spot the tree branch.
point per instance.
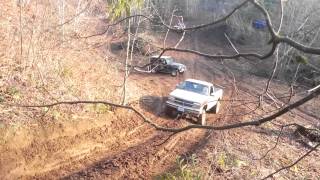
(258, 122)
(267, 16)
(213, 56)
(275, 40)
(219, 20)
(298, 46)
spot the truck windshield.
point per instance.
(194, 87)
(169, 60)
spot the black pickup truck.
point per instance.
(166, 65)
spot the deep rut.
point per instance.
(143, 160)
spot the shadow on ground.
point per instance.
(156, 105)
(153, 104)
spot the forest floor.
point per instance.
(116, 144)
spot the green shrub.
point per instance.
(13, 92)
(228, 160)
(186, 170)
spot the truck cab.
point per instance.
(194, 98)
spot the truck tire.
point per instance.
(202, 117)
(216, 108)
(174, 73)
(169, 111)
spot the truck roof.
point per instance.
(156, 56)
(200, 82)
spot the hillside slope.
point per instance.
(101, 142)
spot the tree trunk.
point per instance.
(126, 74)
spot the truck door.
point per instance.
(212, 99)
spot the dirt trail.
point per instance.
(138, 151)
(140, 161)
(143, 153)
(157, 153)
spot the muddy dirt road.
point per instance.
(116, 144)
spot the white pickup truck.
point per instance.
(194, 98)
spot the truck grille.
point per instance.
(183, 102)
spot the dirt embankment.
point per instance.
(116, 144)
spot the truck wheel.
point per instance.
(202, 117)
(174, 73)
(169, 111)
(216, 108)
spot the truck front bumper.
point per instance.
(183, 109)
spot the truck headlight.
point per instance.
(196, 105)
(170, 98)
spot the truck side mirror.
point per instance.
(211, 91)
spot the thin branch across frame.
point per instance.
(253, 122)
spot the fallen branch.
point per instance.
(233, 46)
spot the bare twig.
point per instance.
(181, 39)
(75, 16)
(281, 16)
(168, 30)
(275, 65)
(116, 23)
(181, 23)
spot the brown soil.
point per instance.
(118, 145)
